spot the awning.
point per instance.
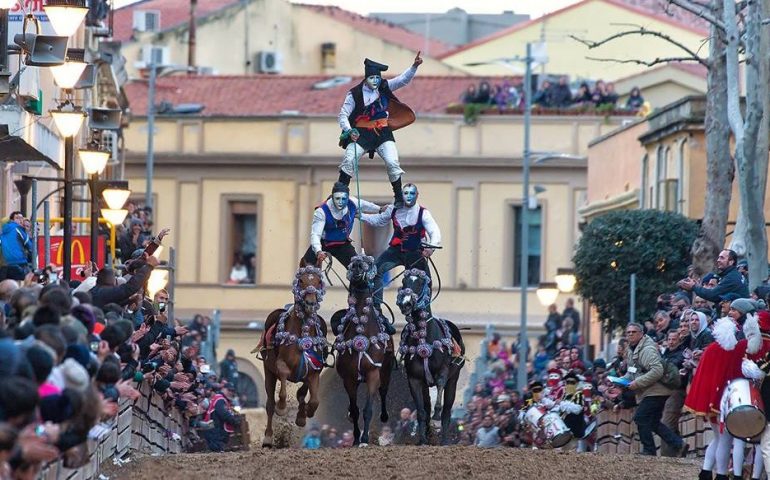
(15, 149)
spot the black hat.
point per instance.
(571, 376)
(340, 187)
(536, 386)
(373, 68)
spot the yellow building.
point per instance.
(591, 20)
(236, 37)
(243, 178)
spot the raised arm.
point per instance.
(366, 206)
(378, 219)
(406, 77)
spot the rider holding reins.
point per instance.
(332, 224)
(413, 227)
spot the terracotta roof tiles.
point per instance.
(263, 95)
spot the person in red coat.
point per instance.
(720, 363)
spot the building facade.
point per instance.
(247, 186)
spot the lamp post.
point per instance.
(94, 161)
(68, 119)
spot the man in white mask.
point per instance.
(368, 117)
(332, 224)
(413, 225)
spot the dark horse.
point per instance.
(364, 350)
(296, 340)
(427, 351)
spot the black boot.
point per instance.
(705, 475)
(344, 178)
(721, 477)
(398, 195)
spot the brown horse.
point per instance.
(298, 340)
(430, 357)
(364, 350)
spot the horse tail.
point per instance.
(456, 335)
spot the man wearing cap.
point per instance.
(571, 407)
(367, 120)
(225, 421)
(332, 225)
(730, 280)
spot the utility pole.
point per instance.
(524, 234)
(150, 135)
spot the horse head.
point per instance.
(414, 293)
(309, 289)
(361, 271)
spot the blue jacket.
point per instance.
(16, 244)
(730, 281)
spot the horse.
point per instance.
(427, 351)
(364, 350)
(299, 344)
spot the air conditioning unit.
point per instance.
(269, 62)
(154, 55)
(110, 142)
(147, 20)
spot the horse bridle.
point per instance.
(422, 300)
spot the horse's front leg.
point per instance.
(283, 375)
(372, 385)
(441, 382)
(351, 387)
(415, 387)
(301, 414)
(314, 384)
(270, 380)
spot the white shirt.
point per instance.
(319, 219)
(407, 217)
(372, 95)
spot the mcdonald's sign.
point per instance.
(81, 252)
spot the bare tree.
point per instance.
(719, 163)
(750, 127)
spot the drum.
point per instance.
(533, 416)
(556, 431)
(743, 412)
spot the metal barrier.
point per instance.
(616, 433)
(143, 426)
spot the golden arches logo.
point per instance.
(75, 243)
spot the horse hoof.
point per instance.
(267, 442)
(384, 417)
(363, 445)
(300, 421)
(281, 411)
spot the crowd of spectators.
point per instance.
(552, 95)
(135, 232)
(70, 353)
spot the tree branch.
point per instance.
(641, 31)
(698, 9)
(650, 63)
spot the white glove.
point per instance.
(750, 370)
(570, 407)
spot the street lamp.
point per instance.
(157, 281)
(94, 160)
(114, 216)
(68, 119)
(65, 15)
(68, 74)
(565, 279)
(547, 293)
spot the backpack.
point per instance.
(671, 377)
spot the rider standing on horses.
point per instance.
(413, 226)
(332, 224)
(367, 119)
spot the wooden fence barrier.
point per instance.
(616, 433)
(142, 426)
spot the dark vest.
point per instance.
(337, 232)
(369, 141)
(408, 238)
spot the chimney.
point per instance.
(191, 41)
